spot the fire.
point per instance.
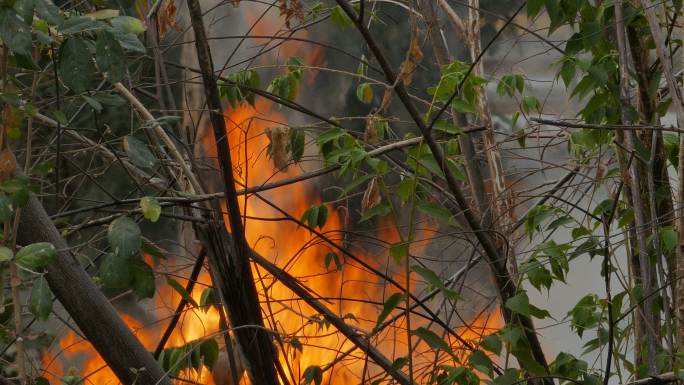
(352, 292)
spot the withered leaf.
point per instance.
(279, 146)
(371, 197)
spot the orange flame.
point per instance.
(353, 293)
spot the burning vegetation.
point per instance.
(341, 192)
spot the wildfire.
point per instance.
(352, 292)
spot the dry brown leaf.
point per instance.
(371, 135)
(279, 148)
(414, 56)
(7, 162)
(166, 19)
(290, 9)
(371, 197)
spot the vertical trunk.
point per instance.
(649, 321)
(651, 10)
(502, 200)
(231, 270)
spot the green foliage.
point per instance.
(339, 18)
(40, 299)
(453, 76)
(313, 374)
(237, 88)
(390, 304)
(315, 216)
(510, 84)
(432, 339)
(207, 299)
(76, 69)
(115, 273)
(151, 208)
(110, 56)
(124, 237)
(142, 277)
(433, 280)
(585, 315)
(193, 355)
(181, 290)
(36, 255)
(138, 153)
(331, 257)
(364, 92)
(520, 304)
(287, 86)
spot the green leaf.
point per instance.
(535, 217)
(150, 208)
(14, 33)
(78, 24)
(297, 142)
(142, 276)
(481, 362)
(313, 374)
(124, 237)
(138, 153)
(339, 18)
(76, 69)
(668, 239)
(41, 381)
(94, 103)
(533, 7)
(332, 257)
(448, 127)
(432, 339)
(209, 349)
(379, 210)
(110, 56)
(520, 304)
(17, 190)
(128, 41)
(115, 273)
(390, 304)
(364, 92)
(585, 314)
(530, 103)
(207, 299)
(436, 211)
(36, 255)
(6, 208)
(567, 72)
(128, 24)
(509, 377)
(492, 343)
(315, 216)
(399, 251)
(181, 290)
(433, 280)
(48, 11)
(331, 135)
(6, 254)
(40, 299)
(103, 14)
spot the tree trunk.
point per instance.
(90, 309)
